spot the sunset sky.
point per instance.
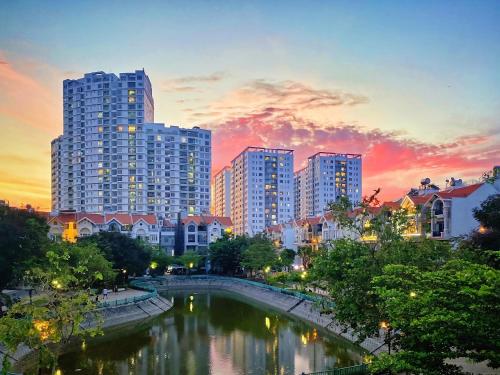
(412, 85)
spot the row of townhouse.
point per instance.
(191, 233)
(440, 215)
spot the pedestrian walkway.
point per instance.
(128, 293)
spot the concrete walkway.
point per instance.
(128, 293)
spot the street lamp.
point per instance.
(388, 330)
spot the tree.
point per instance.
(258, 256)
(97, 269)
(225, 254)
(346, 271)
(190, 259)
(48, 324)
(436, 315)
(489, 213)
(286, 258)
(159, 262)
(23, 237)
(306, 254)
(130, 255)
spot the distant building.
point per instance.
(261, 189)
(326, 178)
(71, 226)
(300, 191)
(113, 158)
(222, 194)
(201, 231)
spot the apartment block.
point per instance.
(222, 194)
(327, 177)
(113, 158)
(261, 189)
(300, 188)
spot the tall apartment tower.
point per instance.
(222, 195)
(261, 189)
(106, 160)
(300, 187)
(329, 176)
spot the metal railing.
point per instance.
(352, 370)
(137, 284)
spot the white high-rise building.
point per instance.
(300, 187)
(113, 158)
(222, 194)
(261, 189)
(328, 176)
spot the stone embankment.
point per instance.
(301, 308)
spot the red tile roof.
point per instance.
(459, 192)
(420, 199)
(64, 218)
(150, 219)
(94, 218)
(206, 220)
(273, 228)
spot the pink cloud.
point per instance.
(390, 161)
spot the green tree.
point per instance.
(50, 323)
(190, 259)
(436, 315)
(286, 258)
(483, 245)
(23, 238)
(98, 270)
(225, 254)
(128, 254)
(258, 256)
(306, 254)
(159, 262)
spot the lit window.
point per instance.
(119, 128)
(131, 92)
(99, 129)
(131, 129)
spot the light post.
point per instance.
(388, 331)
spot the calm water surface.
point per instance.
(213, 333)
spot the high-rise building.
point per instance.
(328, 176)
(261, 189)
(113, 158)
(300, 179)
(222, 192)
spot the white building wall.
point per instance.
(262, 189)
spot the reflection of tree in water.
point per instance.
(255, 338)
(101, 357)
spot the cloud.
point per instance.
(214, 77)
(283, 97)
(189, 83)
(390, 161)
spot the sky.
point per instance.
(411, 85)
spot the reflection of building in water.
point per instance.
(212, 334)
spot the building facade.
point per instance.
(201, 231)
(328, 176)
(112, 157)
(300, 188)
(222, 192)
(261, 189)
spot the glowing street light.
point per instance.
(267, 269)
(303, 275)
(153, 265)
(413, 294)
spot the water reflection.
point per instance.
(213, 334)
